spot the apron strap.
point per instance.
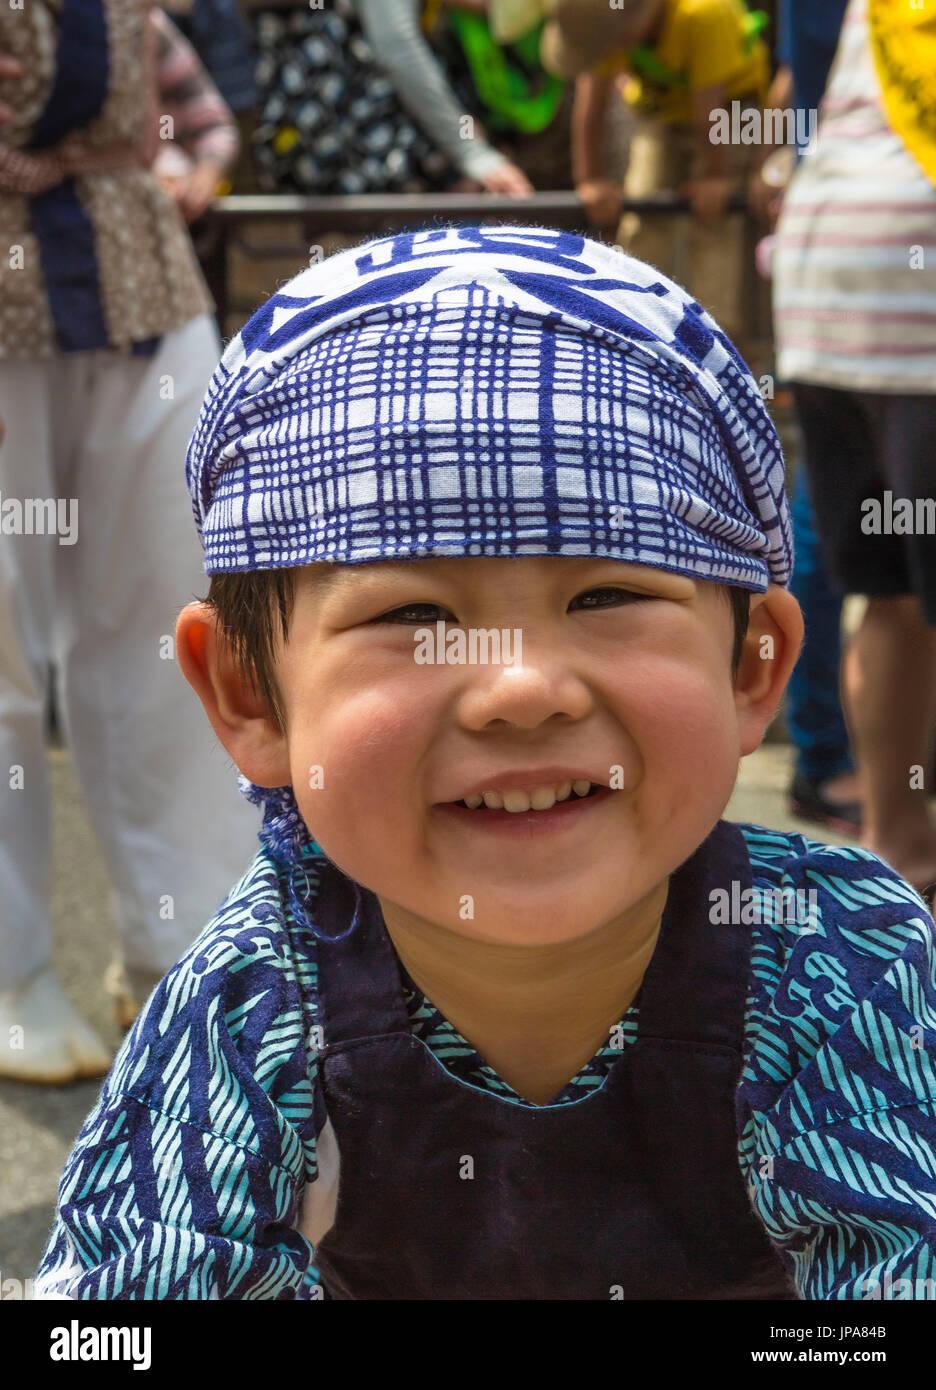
(695, 987)
(360, 991)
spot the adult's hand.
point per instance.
(9, 67)
(769, 182)
(709, 196)
(764, 199)
(602, 202)
(195, 190)
(507, 178)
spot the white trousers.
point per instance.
(110, 431)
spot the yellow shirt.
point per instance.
(704, 43)
(903, 43)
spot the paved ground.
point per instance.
(38, 1124)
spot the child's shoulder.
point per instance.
(818, 903)
(249, 940)
(237, 1001)
(776, 853)
(841, 989)
(705, 18)
(854, 878)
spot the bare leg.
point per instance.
(889, 689)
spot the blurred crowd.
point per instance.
(121, 122)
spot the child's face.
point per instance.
(625, 681)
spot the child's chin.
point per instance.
(555, 923)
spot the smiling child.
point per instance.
(472, 1025)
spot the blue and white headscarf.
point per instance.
(499, 391)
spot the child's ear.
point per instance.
(240, 718)
(771, 647)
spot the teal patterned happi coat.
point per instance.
(203, 1171)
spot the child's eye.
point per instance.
(622, 594)
(610, 594)
(399, 615)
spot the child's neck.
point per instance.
(536, 1014)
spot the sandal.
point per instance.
(805, 800)
(129, 989)
(43, 1038)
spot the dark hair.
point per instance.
(246, 606)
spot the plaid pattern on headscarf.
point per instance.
(488, 391)
(473, 391)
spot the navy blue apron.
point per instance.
(449, 1191)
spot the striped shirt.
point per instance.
(208, 1168)
(854, 265)
(201, 121)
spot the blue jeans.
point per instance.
(813, 711)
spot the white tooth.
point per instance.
(581, 788)
(516, 801)
(493, 801)
(473, 802)
(563, 791)
(541, 798)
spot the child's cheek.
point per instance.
(357, 770)
(678, 714)
(677, 677)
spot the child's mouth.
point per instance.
(529, 822)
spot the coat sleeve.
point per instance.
(186, 1179)
(202, 121)
(392, 29)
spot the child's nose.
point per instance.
(524, 694)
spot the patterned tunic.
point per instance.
(353, 100)
(207, 1169)
(101, 260)
(854, 299)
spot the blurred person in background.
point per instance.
(205, 143)
(855, 324)
(219, 34)
(107, 342)
(491, 53)
(682, 61)
(825, 787)
(354, 100)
